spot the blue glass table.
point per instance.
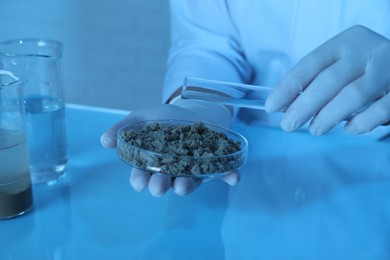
(300, 197)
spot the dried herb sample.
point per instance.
(180, 150)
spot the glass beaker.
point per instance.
(39, 62)
(15, 182)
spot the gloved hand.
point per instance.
(182, 110)
(346, 78)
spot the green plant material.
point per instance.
(180, 149)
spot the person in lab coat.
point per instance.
(328, 61)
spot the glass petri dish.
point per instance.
(185, 156)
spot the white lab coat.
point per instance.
(258, 41)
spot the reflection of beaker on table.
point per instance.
(15, 184)
(39, 62)
(44, 234)
(53, 220)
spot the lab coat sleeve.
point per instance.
(204, 44)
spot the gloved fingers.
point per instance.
(185, 185)
(109, 138)
(159, 184)
(357, 95)
(139, 179)
(354, 97)
(322, 89)
(375, 115)
(299, 77)
(309, 88)
(284, 93)
(232, 178)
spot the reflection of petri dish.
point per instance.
(176, 164)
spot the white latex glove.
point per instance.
(346, 78)
(184, 110)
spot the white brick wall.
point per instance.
(115, 51)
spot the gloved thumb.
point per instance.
(109, 137)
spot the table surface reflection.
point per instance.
(300, 197)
